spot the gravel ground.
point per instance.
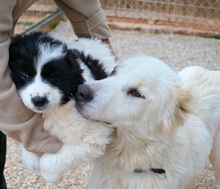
(178, 51)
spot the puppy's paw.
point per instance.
(49, 169)
(52, 178)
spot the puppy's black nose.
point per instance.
(84, 93)
(39, 101)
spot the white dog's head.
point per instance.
(141, 92)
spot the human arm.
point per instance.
(16, 121)
(86, 17)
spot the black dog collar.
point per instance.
(154, 170)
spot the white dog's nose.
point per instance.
(84, 93)
(39, 101)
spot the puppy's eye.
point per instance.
(136, 93)
(24, 76)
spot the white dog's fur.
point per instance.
(164, 121)
(83, 140)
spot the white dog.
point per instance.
(46, 73)
(167, 125)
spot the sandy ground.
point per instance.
(176, 50)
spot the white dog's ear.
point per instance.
(176, 113)
(183, 105)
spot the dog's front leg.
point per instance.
(30, 160)
(53, 166)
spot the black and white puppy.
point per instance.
(46, 73)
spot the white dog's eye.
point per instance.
(136, 93)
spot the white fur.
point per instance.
(31, 160)
(96, 49)
(83, 140)
(48, 53)
(163, 120)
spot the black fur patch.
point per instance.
(94, 65)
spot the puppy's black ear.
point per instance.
(75, 72)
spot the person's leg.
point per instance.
(2, 160)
